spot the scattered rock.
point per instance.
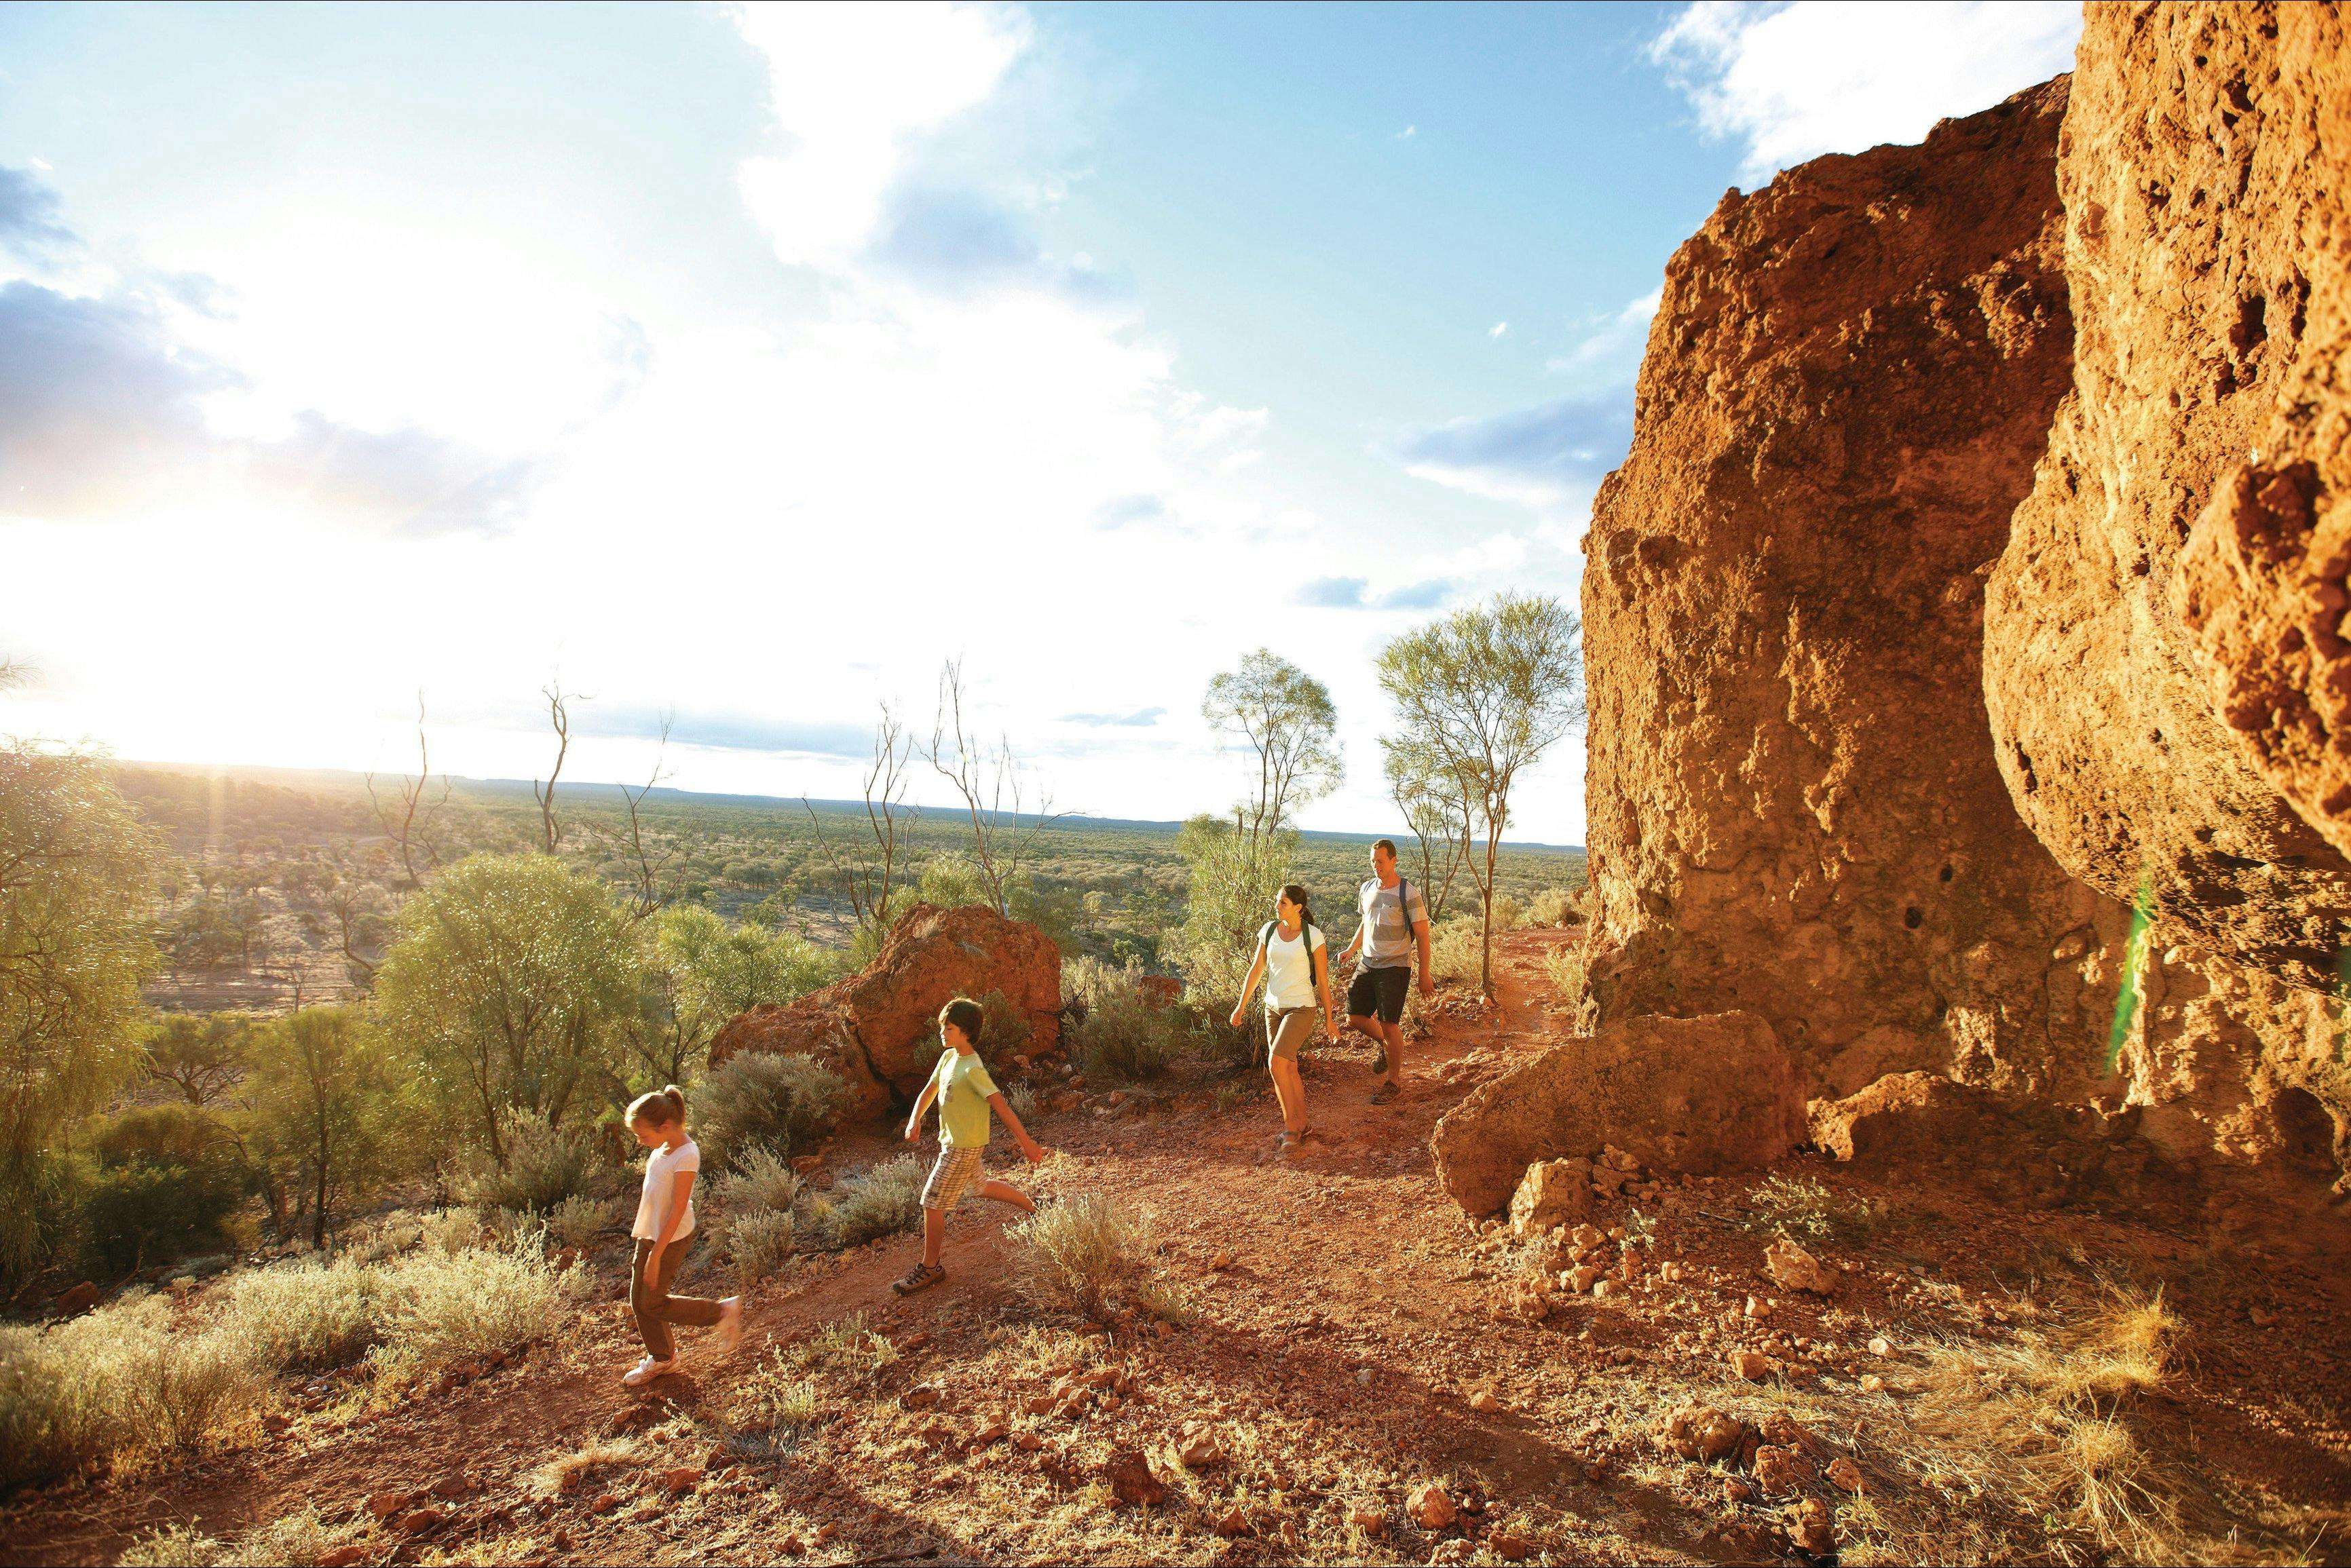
(1750, 1364)
(1780, 1471)
(1881, 1345)
(1232, 1522)
(1586, 1239)
(1372, 1521)
(1485, 1399)
(992, 1431)
(1782, 1428)
(921, 1396)
(1791, 1268)
(1199, 1449)
(1130, 1480)
(1739, 1489)
(1845, 1475)
(1552, 1192)
(1582, 1277)
(420, 1522)
(1027, 1442)
(1509, 1547)
(1429, 1507)
(74, 1301)
(345, 1556)
(1811, 1529)
(276, 1424)
(605, 1503)
(1453, 1551)
(1603, 1289)
(454, 1485)
(683, 1478)
(1702, 1432)
(384, 1505)
(1873, 1383)
(1221, 1261)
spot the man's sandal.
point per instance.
(921, 1277)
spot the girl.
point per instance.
(664, 1230)
(1293, 956)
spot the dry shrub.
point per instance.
(1564, 967)
(1509, 913)
(774, 1397)
(1022, 1098)
(764, 1099)
(1086, 1255)
(561, 1476)
(1803, 1210)
(880, 1201)
(1551, 906)
(759, 1241)
(440, 1309)
(118, 1387)
(449, 1231)
(758, 1180)
(578, 1218)
(1453, 949)
(1123, 1035)
(2043, 1424)
(848, 1347)
(544, 1165)
(306, 1317)
(176, 1546)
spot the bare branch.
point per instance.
(647, 898)
(558, 714)
(408, 824)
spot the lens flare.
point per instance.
(2134, 966)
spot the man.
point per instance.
(1394, 920)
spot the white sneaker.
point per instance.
(730, 1323)
(645, 1371)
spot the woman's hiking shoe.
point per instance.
(645, 1371)
(1386, 1092)
(921, 1277)
(730, 1323)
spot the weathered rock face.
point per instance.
(879, 1029)
(1700, 1094)
(1792, 805)
(2164, 666)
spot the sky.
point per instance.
(735, 366)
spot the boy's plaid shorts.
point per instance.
(957, 1168)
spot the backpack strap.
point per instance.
(1404, 902)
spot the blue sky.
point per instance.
(742, 364)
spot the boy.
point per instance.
(965, 1095)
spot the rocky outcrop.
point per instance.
(879, 1028)
(2163, 647)
(1697, 1094)
(1927, 636)
(1792, 805)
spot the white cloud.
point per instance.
(1791, 82)
(1610, 352)
(1498, 330)
(1407, 133)
(850, 84)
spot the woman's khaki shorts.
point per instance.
(1286, 1030)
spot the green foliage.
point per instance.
(578, 1219)
(77, 889)
(443, 1308)
(1235, 879)
(513, 982)
(1121, 1036)
(331, 1103)
(167, 1176)
(700, 973)
(1287, 719)
(954, 882)
(1004, 1027)
(200, 1055)
(545, 1166)
(764, 1099)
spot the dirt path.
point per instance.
(1349, 1340)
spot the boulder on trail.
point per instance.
(1700, 1094)
(1552, 1192)
(1793, 1269)
(879, 1028)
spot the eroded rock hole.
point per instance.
(2306, 1132)
(1914, 917)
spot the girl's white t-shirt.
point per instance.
(1289, 976)
(661, 1172)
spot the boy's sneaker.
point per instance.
(1380, 1061)
(921, 1277)
(645, 1371)
(730, 1323)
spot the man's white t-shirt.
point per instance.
(1288, 976)
(661, 1174)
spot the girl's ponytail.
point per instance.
(665, 1107)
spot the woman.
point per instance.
(1292, 957)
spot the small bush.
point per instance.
(1122, 1035)
(147, 1205)
(450, 1231)
(297, 1539)
(1087, 1256)
(1453, 949)
(1509, 913)
(545, 1165)
(117, 1386)
(176, 1546)
(446, 1308)
(302, 1317)
(1564, 967)
(846, 1348)
(759, 1241)
(1022, 1098)
(1801, 1208)
(1551, 906)
(758, 1180)
(1004, 1028)
(882, 1200)
(764, 1099)
(774, 1398)
(578, 1219)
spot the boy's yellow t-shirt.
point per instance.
(963, 1087)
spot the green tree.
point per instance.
(199, 1056)
(1287, 718)
(1435, 807)
(326, 1093)
(76, 888)
(1485, 692)
(514, 981)
(699, 972)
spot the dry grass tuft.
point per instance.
(880, 1201)
(759, 1178)
(176, 1546)
(561, 1476)
(1564, 967)
(299, 1540)
(1086, 1255)
(577, 1219)
(759, 1241)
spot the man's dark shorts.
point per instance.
(1383, 988)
